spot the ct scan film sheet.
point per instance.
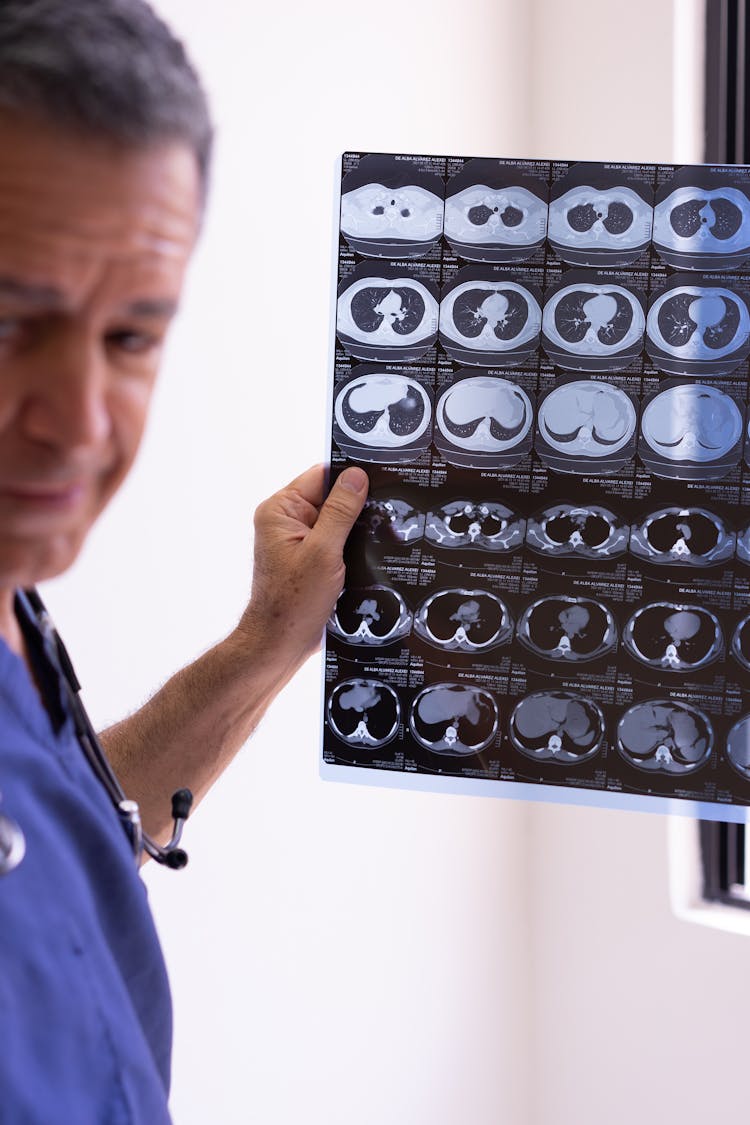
(543, 367)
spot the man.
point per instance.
(105, 143)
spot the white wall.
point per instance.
(339, 955)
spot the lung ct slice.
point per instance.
(391, 208)
(483, 421)
(588, 326)
(488, 321)
(703, 228)
(382, 416)
(386, 315)
(600, 226)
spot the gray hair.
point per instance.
(102, 68)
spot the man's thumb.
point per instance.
(344, 503)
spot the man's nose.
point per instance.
(66, 401)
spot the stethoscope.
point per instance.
(12, 840)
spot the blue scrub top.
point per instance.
(85, 1010)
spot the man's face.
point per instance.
(94, 241)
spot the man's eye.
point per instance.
(131, 342)
(8, 328)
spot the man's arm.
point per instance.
(191, 729)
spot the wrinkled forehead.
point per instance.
(71, 206)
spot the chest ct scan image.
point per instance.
(379, 221)
(486, 525)
(583, 420)
(570, 530)
(459, 620)
(364, 712)
(682, 537)
(674, 637)
(487, 322)
(738, 747)
(543, 367)
(383, 416)
(382, 318)
(697, 330)
(689, 423)
(564, 628)
(454, 719)
(557, 726)
(696, 228)
(391, 521)
(481, 416)
(371, 616)
(593, 327)
(595, 227)
(665, 736)
(495, 224)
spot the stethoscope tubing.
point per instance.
(128, 811)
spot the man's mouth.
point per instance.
(44, 494)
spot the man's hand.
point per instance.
(189, 731)
(299, 566)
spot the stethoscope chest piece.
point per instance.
(12, 845)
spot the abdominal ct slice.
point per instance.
(740, 646)
(689, 428)
(665, 736)
(364, 712)
(587, 418)
(454, 719)
(482, 420)
(557, 726)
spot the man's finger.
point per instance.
(345, 501)
(311, 485)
